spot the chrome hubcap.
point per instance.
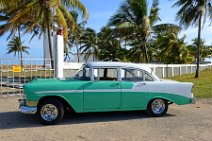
(49, 112)
(158, 106)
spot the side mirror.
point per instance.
(76, 76)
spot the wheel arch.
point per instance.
(168, 100)
(64, 102)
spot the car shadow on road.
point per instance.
(13, 120)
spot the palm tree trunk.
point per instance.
(198, 45)
(77, 47)
(146, 53)
(18, 55)
(94, 57)
(21, 51)
(144, 46)
(50, 43)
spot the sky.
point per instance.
(99, 13)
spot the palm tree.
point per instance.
(8, 6)
(90, 42)
(66, 54)
(5, 9)
(110, 46)
(16, 46)
(166, 28)
(204, 49)
(75, 36)
(170, 49)
(134, 20)
(192, 12)
(43, 13)
(135, 53)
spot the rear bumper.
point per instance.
(26, 109)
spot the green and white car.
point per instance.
(104, 87)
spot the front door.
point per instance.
(104, 93)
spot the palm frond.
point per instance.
(62, 22)
(79, 6)
(154, 12)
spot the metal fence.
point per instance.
(13, 75)
(172, 70)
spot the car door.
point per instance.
(104, 93)
(134, 89)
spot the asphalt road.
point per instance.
(182, 123)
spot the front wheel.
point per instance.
(50, 111)
(157, 107)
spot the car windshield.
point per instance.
(83, 73)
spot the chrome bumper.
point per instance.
(193, 100)
(26, 109)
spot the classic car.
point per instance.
(104, 87)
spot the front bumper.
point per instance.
(26, 109)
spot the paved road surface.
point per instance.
(182, 123)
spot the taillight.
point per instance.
(192, 88)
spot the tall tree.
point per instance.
(66, 53)
(6, 8)
(90, 42)
(192, 12)
(75, 36)
(134, 20)
(166, 28)
(204, 49)
(44, 12)
(170, 49)
(110, 46)
(16, 46)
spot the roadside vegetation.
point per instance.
(202, 86)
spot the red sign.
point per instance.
(60, 32)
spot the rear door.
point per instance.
(134, 88)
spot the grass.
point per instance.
(202, 85)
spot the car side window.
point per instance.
(130, 74)
(147, 77)
(83, 74)
(105, 74)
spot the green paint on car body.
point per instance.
(92, 96)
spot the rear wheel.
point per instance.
(157, 107)
(50, 111)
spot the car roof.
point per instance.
(119, 64)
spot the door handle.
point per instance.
(114, 84)
(140, 84)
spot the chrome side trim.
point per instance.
(60, 91)
(28, 110)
